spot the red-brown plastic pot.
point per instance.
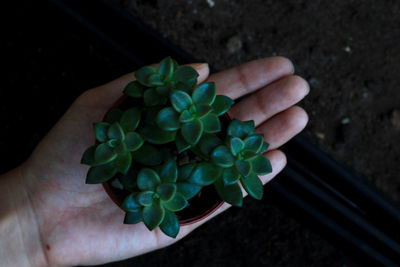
(198, 212)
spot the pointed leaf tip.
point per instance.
(147, 179)
(204, 93)
(180, 100)
(153, 215)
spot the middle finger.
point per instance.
(271, 100)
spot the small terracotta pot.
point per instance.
(198, 212)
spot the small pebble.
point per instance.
(234, 44)
(314, 82)
(347, 49)
(395, 118)
(210, 3)
(345, 121)
(320, 135)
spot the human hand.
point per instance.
(80, 224)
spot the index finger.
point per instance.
(251, 76)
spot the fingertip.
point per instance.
(203, 69)
(278, 161)
(301, 117)
(283, 63)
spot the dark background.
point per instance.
(348, 51)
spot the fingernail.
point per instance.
(291, 62)
(200, 65)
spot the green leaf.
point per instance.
(211, 123)
(151, 97)
(170, 224)
(169, 172)
(130, 119)
(177, 203)
(166, 68)
(236, 145)
(153, 134)
(134, 89)
(103, 154)
(163, 90)
(202, 110)
(248, 154)
(185, 73)
(133, 141)
(100, 130)
(253, 186)
(180, 100)
(133, 217)
(153, 215)
(221, 156)
(221, 104)
(254, 142)
(232, 194)
(205, 173)
(186, 87)
(113, 143)
(145, 198)
(130, 204)
(244, 167)
(121, 148)
(241, 129)
(204, 93)
(208, 142)
(192, 131)
(249, 127)
(155, 80)
(143, 74)
(166, 191)
(185, 171)
(168, 119)
(88, 156)
(261, 165)
(230, 176)
(116, 132)
(114, 115)
(181, 144)
(186, 116)
(100, 174)
(147, 155)
(123, 162)
(188, 190)
(263, 148)
(148, 179)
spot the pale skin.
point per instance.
(50, 217)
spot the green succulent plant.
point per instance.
(171, 143)
(193, 114)
(117, 139)
(157, 199)
(240, 158)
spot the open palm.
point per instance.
(79, 224)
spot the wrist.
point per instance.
(20, 243)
